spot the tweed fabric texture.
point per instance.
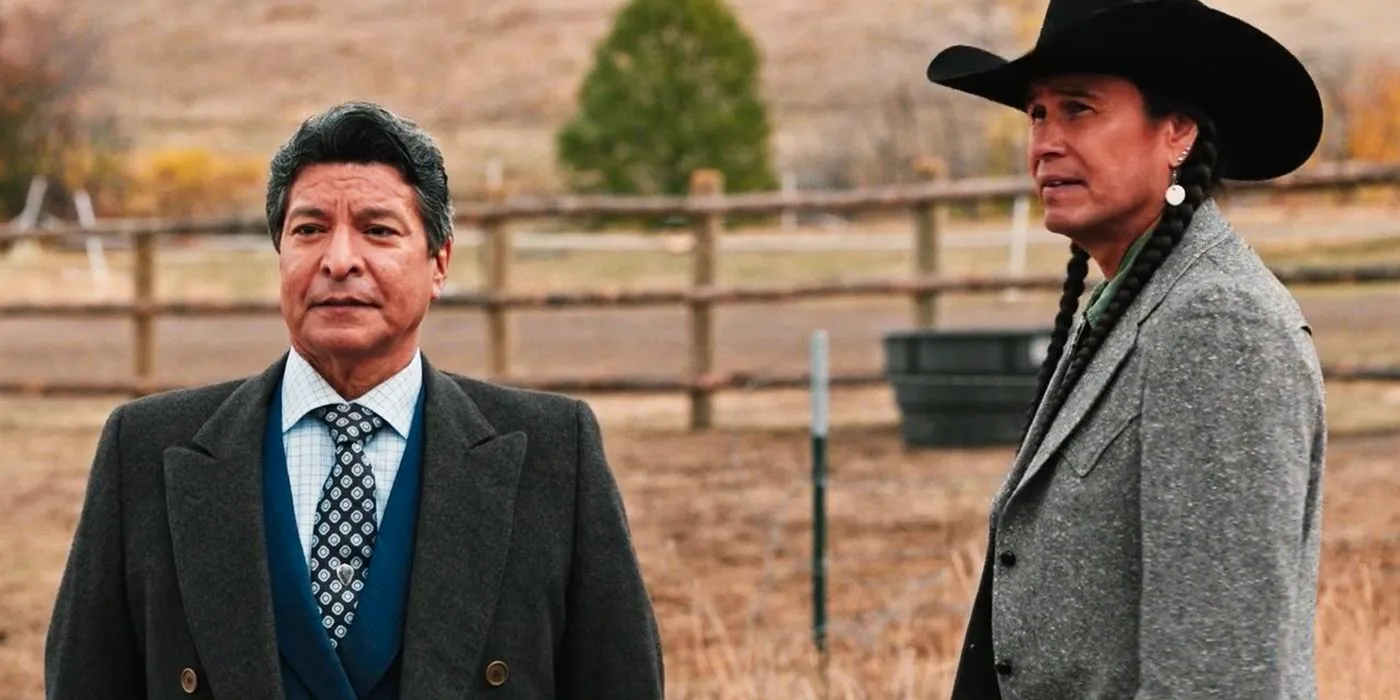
(1158, 536)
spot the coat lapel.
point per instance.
(1036, 432)
(214, 507)
(1094, 380)
(465, 521)
(1208, 228)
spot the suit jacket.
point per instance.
(1159, 536)
(524, 582)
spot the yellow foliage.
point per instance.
(89, 166)
(1028, 16)
(193, 182)
(1373, 111)
(1005, 137)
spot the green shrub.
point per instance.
(674, 89)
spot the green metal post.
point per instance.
(820, 383)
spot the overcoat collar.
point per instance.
(1208, 228)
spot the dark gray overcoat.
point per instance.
(522, 555)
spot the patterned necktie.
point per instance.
(345, 524)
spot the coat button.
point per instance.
(189, 681)
(1008, 558)
(1004, 668)
(496, 673)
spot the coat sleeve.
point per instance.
(91, 643)
(612, 646)
(1232, 434)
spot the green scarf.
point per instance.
(1104, 291)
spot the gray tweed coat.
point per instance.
(1159, 538)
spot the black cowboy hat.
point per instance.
(1265, 106)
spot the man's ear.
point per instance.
(1181, 137)
(442, 260)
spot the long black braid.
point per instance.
(1075, 273)
(1197, 175)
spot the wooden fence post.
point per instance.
(927, 217)
(142, 314)
(707, 230)
(495, 259)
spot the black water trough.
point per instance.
(964, 388)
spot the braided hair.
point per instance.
(1199, 177)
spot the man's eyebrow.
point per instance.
(373, 212)
(307, 211)
(368, 213)
(1063, 91)
(1073, 91)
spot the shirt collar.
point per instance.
(394, 399)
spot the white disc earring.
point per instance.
(1176, 194)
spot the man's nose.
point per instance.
(1046, 142)
(342, 256)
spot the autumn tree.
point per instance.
(49, 63)
(1372, 109)
(674, 88)
(1005, 130)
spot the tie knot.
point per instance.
(350, 422)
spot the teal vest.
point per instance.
(366, 665)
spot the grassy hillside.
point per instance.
(493, 78)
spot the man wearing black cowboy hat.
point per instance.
(1158, 533)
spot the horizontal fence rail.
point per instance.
(890, 197)
(706, 208)
(641, 298)
(620, 384)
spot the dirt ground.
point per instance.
(729, 570)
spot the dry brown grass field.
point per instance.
(496, 78)
(728, 569)
(722, 519)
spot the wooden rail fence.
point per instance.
(706, 208)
